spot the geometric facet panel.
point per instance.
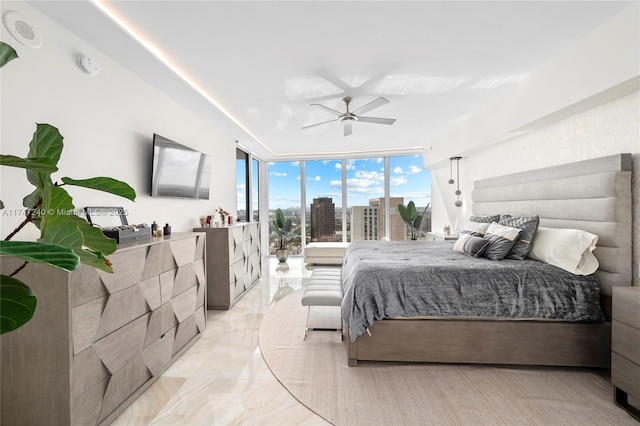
(183, 251)
(127, 269)
(166, 285)
(151, 292)
(157, 355)
(123, 383)
(185, 279)
(85, 320)
(123, 345)
(185, 303)
(162, 320)
(122, 308)
(186, 331)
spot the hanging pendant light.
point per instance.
(458, 202)
(451, 171)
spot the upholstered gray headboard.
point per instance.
(593, 195)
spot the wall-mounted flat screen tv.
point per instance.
(179, 171)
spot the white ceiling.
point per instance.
(264, 62)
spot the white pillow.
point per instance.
(569, 249)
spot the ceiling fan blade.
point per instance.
(318, 124)
(371, 105)
(332, 111)
(347, 129)
(376, 120)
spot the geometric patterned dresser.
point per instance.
(234, 262)
(98, 340)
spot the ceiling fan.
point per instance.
(348, 118)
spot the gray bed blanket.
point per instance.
(412, 278)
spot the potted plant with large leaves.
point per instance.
(66, 239)
(284, 230)
(410, 216)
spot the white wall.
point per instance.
(608, 129)
(107, 122)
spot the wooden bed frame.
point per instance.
(578, 198)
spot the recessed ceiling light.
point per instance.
(21, 30)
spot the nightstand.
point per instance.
(625, 348)
(439, 236)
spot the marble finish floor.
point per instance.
(222, 379)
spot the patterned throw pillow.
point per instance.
(477, 229)
(484, 218)
(528, 226)
(501, 239)
(470, 245)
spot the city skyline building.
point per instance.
(322, 222)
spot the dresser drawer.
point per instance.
(624, 375)
(626, 303)
(625, 341)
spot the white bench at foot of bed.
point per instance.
(330, 253)
(324, 289)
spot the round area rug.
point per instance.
(316, 373)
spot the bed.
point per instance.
(592, 195)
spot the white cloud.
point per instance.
(278, 174)
(374, 190)
(295, 163)
(414, 169)
(397, 169)
(351, 164)
(335, 183)
(398, 180)
(315, 178)
(371, 175)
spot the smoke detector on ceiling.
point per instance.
(21, 30)
(88, 65)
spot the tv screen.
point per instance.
(179, 171)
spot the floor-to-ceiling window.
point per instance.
(284, 193)
(408, 181)
(255, 190)
(242, 187)
(371, 187)
(323, 194)
(365, 198)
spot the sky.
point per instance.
(365, 180)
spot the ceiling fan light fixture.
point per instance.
(347, 118)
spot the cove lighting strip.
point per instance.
(377, 152)
(162, 57)
(157, 52)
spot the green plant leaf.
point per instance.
(17, 304)
(36, 252)
(56, 207)
(42, 164)
(31, 200)
(93, 259)
(93, 237)
(403, 213)
(411, 209)
(106, 184)
(279, 219)
(46, 142)
(7, 54)
(63, 233)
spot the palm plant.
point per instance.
(283, 228)
(410, 216)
